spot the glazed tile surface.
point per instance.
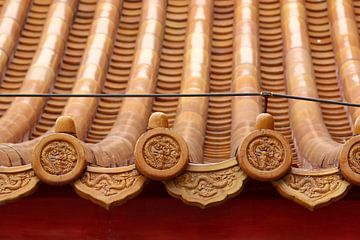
(307, 48)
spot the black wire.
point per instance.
(132, 95)
(310, 99)
(265, 95)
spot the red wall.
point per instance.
(258, 212)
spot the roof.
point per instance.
(202, 148)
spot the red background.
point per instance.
(258, 212)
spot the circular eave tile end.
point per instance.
(58, 159)
(350, 160)
(161, 154)
(265, 155)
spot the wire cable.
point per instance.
(264, 95)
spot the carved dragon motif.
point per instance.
(313, 190)
(354, 158)
(161, 152)
(12, 182)
(58, 157)
(109, 187)
(109, 184)
(207, 184)
(313, 186)
(265, 153)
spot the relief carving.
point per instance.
(313, 189)
(349, 160)
(207, 184)
(313, 186)
(161, 152)
(109, 184)
(354, 158)
(58, 157)
(14, 181)
(109, 187)
(265, 153)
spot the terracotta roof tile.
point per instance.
(307, 48)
